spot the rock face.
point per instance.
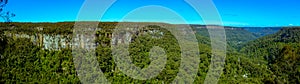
(86, 41)
(46, 41)
(55, 42)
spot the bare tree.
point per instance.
(6, 15)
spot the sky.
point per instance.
(232, 12)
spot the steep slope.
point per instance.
(281, 51)
(273, 42)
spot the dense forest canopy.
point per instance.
(251, 57)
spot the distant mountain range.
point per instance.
(238, 36)
(259, 31)
(263, 31)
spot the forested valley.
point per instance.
(251, 57)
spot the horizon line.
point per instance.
(224, 25)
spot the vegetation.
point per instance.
(269, 59)
(280, 52)
(235, 36)
(5, 15)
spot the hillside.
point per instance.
(262, 31)
(286, 36)
(280, 51)
(41, 52)
(235, 36)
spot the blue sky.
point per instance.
(232, 12)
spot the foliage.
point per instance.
(6, 15)
(280, 51)
(270, 59)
